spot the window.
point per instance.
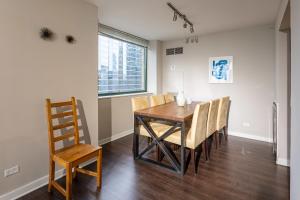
(122, 66)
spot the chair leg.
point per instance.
(207, 149)
(216, 135)
(69, 181)
(99, 170)
(204, 150)
(226, 133)
(193, 160)
(75, 172)
(51, 174)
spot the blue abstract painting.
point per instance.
(220, 69)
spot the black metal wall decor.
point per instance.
(70, 39)
(46, 34)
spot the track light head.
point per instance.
(185, 24)
(175, 16)
(192, 29)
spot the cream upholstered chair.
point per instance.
(212, 121)
(169, 98)
(222, 118)
(196, 134)
(139, 103)
(157, 100)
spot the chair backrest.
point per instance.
(199, 123)
(139, 103)
(212, 117)
(223, 113)
(157, 100)
(69, 111)
(169, 98)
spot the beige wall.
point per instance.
(281, 91)
(252, 92)
(295, 100)
(115, 117)
(32, 69)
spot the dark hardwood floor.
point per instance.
(240, 169)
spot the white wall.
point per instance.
(154, 68)
(32, 69)
(252, 92)
(281, 91)
(295, 100)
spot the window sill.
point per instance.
(124, 95)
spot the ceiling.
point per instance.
(153, 19)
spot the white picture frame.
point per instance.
(221, 69)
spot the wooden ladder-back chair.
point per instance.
(69, 157)
(223, 116)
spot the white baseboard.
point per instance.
(36, 184)
(250, 136)
(115, 137)
(283, 162)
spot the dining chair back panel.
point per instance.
(69, 111)
(157, 100)
(212, 117)
(199, 123)
(169, 98)
(139, 103)
(223, 113)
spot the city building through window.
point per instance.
(122, 66)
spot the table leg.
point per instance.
(136, 138)
(182, 148)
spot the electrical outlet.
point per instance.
(11, 171)
(246, 124)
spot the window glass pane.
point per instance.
(121, 67)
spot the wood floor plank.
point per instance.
(240, 169)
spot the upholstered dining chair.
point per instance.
(196, 135)
(222, 118)
(157, 100)
(169, 98)
(139, 103)
(68, 157)
(212, 122)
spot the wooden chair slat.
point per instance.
(61, 115)
(61, 126)
(59, 188)
(87, 172)
(61, 104)
(63, 137)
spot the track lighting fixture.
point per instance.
(182, 16)
(192, 29)
(175, 16)
(185, 24)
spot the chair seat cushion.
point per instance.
(75, 152)
(158, 128)
(175, 138)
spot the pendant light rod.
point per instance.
(180, 14)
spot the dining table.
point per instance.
(177, 117)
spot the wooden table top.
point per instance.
(169, 111)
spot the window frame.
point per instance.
(145, 69)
